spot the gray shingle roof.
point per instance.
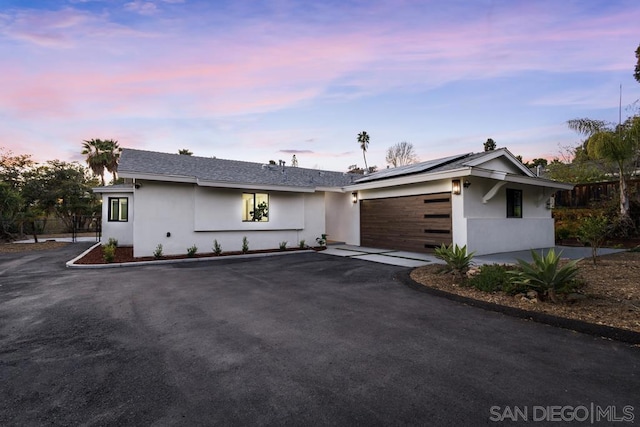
(135, 162)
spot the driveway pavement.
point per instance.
(302, 339)
(414, 259)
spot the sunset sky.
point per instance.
(262, 80)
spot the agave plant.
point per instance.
(545, 273)
(456, 258)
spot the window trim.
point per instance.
(120, 217)
(513, 197)
(265, 218)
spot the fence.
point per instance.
(585, 195)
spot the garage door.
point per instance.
(412, 223)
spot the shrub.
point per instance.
(302, 244)
(109, 253)
(322, 240)
(562, 233)
(245, 245)
(593, 230)
(158, 252)
(491, 278)
(191, 252)
(546, 275)
(217, 249)
(112, 242)
(456, 258)
(283, 246)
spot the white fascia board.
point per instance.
(110, 189)
(330, 189)
(258, 187)
(154, 177)
(500, 152)
(411, 179)
(528, 180)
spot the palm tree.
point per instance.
(95, 158)
(363, 140)
(112, 151)
(185, 152)
(617, 144)
(102, 155)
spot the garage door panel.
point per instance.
(413, 223)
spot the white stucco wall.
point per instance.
(198, 215)
(122, 231)
(342, 218)
(488, 230)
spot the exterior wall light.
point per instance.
(466, 184)
(455, 186)
(354, 197)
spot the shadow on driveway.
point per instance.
(299, 339)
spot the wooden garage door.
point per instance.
(412, 223)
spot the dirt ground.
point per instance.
(26, 247)
(611, 292)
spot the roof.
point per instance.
(212, 171)
(461, 161)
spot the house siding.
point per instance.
(196, 216)
(119, 230)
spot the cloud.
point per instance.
(141, 7)
(289, 151)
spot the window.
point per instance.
(514, 203)
(118, 209)
(255, 207)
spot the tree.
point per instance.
(636, 74)
(617, 144)
(102, 155)
(401, 154)
(185, 152)
(490, 145)
(363, 140)
(57, 188)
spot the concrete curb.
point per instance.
(603, 331)
(72, 263)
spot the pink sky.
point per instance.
(255, 83)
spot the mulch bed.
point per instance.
(125, 255)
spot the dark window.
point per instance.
(118, 209)
(514, 203)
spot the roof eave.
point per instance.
(520, 179)
(259, 187)
(410, 179)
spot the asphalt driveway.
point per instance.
(303, 339)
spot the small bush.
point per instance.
(191, 252)
(593, 230)
(157, 254)
(546, 275)
(245, 245)
(491, 278)
(456, 259)
(112, 242)
(109, 253)
(283, 246)
(322, 240)
(562, 233)
(217, 249)
(302, 244)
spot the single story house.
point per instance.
(488, 201)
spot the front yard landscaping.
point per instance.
(607, 294)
